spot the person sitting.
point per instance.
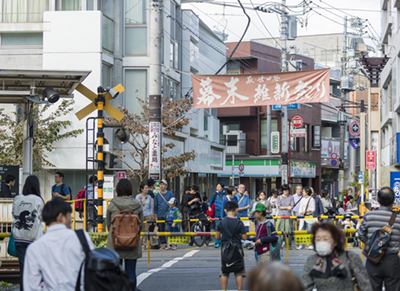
(331, 268)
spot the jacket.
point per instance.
(262, 235)
(116, 206)
(27, 215)
(217, 198)
(177, 216)
(319, 209)
(335, 283)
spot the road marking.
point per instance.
(168, 264)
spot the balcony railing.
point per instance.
(238, 146)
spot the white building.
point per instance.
(111, 39)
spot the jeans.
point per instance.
(130, 268)
(162, 228)
(172, 229)
(21, 250)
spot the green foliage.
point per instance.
(4, 286)
(100, 244)
(49, 129)
(173, 118)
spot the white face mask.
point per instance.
(323, 248)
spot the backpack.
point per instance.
(102, 271)
(231, 255)
(62, 190)
(126, 230)
(79, 204)
(376, 246)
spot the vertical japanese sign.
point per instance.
(395, 185)
(121, 175)
(275, 142)
(218, 91)
(155, 150)
(370, 160)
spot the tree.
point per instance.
(173, 118)
(48, 130)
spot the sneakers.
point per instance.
(299, 247)
(174, 247)
(155, 247)
(163, 247)
(310, 247)
(217, 246)
(168, 248)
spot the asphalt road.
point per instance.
(193, 268)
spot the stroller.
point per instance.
(349, 223)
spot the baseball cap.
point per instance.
(172, 201)
(259, 207)
(164, 182)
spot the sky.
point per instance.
(317, 20)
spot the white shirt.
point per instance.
(311, 206)
(55, 258)
(296, 198)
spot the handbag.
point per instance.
(274, 247)
(353, 276)
(11, 249)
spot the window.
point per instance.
(136, 87)
(68, 5)
(264, 137)
(106, 76)
(108, 33)
(173, 55)
(294, 142)
(170, 88)
(232, 126)
(135, 27)
(21, 39)
(23, 10)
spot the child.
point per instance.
(231, 228)
(262, 240)
(229, 197)
(173, 214)
(204, 205)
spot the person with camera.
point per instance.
(193, 204)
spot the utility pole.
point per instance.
(284, 68)
(342, 124)
(155, 127)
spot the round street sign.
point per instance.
(354, 127)
(333, 162)
(297, 121)
(334, 156)
(241, 167)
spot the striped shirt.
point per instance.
(374, 220)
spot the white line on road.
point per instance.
(168, 264)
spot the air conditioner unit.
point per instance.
(235, 142)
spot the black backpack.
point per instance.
(231, 255)
(376, 246)
(102, 271)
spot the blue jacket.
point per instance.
(243, 201)
(223, 214)
(161, 208)
(217, 197)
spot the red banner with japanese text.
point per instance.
(213, 91)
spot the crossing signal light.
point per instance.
(111, 161)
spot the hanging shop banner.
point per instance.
(213, 91)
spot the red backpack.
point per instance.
(79, 204)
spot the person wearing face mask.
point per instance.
(332, 268)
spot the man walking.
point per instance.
(60, 189)
(216, 202)
(388, 269)
(91, 204)
(285, 204)
(55, 258)
(161, 209)
(6, 191)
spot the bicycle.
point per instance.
(198, 226)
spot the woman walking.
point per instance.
(307, 207)
(147, 204)
(332, 268)
(27, 215)
(124, 202)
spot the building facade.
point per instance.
(111, 39)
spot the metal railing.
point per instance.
(238, 146)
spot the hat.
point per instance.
(164, 182)
(172, 201)
(259, 207)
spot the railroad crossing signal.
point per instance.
(92, 106)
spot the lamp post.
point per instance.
(342, 120)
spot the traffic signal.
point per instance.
(111, 161)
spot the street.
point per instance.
(192, 268)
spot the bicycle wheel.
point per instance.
(198, 240)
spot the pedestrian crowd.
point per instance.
(63, 259)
